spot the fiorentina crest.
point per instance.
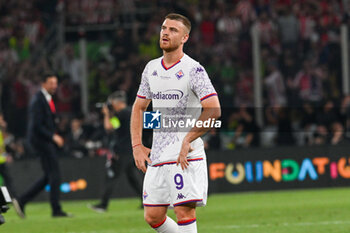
(145, 195)
(179, 74)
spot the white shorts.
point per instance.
(169, 185)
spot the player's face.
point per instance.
(173, 34)
(50, 85)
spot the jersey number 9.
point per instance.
(178, 179)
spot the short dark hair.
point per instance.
(185, 21)
(117, 96)
(47, 75)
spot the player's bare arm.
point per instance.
(211, 109)
(140, 152)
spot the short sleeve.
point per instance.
(144, 91)
(201, 84)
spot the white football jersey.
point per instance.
(176, 90)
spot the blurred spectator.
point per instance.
(307, 84)
(329, 127)
(71, 65)
(289, 29)
(345, 114)
(128, 12)
(90, 11)
(269, 132)
(302, 80)
(244, 89)
(307, 26)
(122, 45)
(149, 46)
(284, 127)
(19, 106)
(308, 124)
(247, 132)
(289, 65)
(207, 28)
(63, 125)
(275, 86)
(34, 28)
(76, 139)
(228, 74)
(262, 6)
(98, 83)
(65, 95)
(229, 25)
(7, 54)
(212, 140)
(245, 11)
(266, 29)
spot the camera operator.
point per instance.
(5, 155)
(116, 123)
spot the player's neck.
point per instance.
(169, 58)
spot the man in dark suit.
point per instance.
(44, 141)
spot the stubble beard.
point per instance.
(169, 48)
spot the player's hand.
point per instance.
(58, 140)
(182, 159)
(141, 156)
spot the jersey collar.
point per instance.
(167, 68)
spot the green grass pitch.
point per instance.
(318, 210)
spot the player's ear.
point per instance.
(185, 38)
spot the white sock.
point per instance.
(167, 226)
(188, 226)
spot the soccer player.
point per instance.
(176, 172)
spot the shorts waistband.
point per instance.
(174, 162)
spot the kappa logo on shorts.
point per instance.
(145, 195)
(180, 196)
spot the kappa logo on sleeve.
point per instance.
(155, 73)
(199, 69)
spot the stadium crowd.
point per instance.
(300, 55)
